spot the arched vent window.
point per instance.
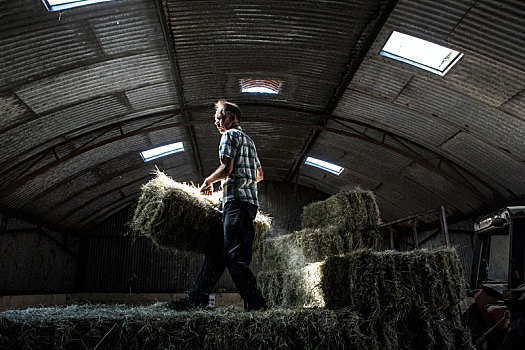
(260, 86)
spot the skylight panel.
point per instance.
(59, 5)
(326, 166)
(420, 53)
(162, 151)
(260, 86)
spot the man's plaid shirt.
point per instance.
(242, 182)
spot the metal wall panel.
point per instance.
(32, 263)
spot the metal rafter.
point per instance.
(8, 212)
(353, 66)
(417, 158)
(172, 53)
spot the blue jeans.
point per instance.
(236, 255)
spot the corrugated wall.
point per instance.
(114, 262)
(35, 260)
(461, 237)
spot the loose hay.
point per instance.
(154, 327)
(355, 210)
(174, 215)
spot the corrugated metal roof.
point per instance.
(58, 47)
(464, 113)
(401, 120)
(128, 32)
(276, 40)
(84, 83)
(515, 105)
(479, 156)
(63, 123)
(495, 29)
(83, 91)
(155, 96)
(13, 112)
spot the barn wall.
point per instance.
(35, 260)
(114, 262)
(285, 203)
(461, 237)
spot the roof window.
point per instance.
(162, 151)
(321, 164)
(420, 53)
(250, 86)
(59, 5)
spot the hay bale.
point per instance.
(282, 253)
(391, 282)
(155, 327)
(175, 216)
(293, 288)
(318, 244)
(295, 250)
(372, 283)
(355, 210)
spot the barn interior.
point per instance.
(87, 86)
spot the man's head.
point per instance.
(227, 115)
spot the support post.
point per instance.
(414, 233)
(444, 227)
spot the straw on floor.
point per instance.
(154, 327)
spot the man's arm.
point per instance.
(260, 175)
(222, 172)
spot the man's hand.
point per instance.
(222, 172)
(206, 188)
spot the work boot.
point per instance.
(186, 304)
(256, 302)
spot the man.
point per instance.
(241, 170)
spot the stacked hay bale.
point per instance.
(340, 224)
(403, 299)
(175, 216)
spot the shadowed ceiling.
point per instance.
(84, 90)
